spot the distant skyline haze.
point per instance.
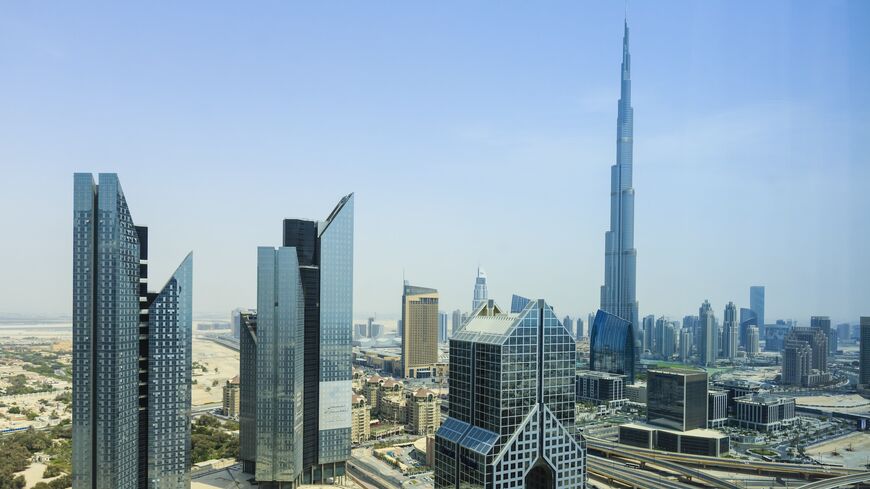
(457, 127)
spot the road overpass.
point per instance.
(634, 478)
(843, 481)
(771, 469)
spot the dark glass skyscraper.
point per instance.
(620, 257)
(756, 303)
(612, 346)
(303, 353)
(512, 400)
(677, 399)
(131, 351)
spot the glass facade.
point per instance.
(336, 319)
(131, 351)
(105, 336)
(279, 365)
(677, 400)
(511, 402)
(248, 391)
(612, 346)
(170, 327)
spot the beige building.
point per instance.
(419, 331)
(360, 428)
(371, 391)
(424, 412)
(391, 402)
(231, 398)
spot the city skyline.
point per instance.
(710, 124)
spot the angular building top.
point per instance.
(512, 430)
(612, 346)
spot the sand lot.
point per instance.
(838, 451)
(212, 356)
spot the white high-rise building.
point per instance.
(480, 292)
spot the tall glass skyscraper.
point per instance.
(756, 303)
(708, 346)
(302, 344)
(480, 292)
(620, 257)
(730, 332)
(612, 346)
(131, 351)
(512, 398)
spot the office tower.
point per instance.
(824, 324)
(535, 445)
(844, 332)
(131, 350)
(419, 331)
(611, 346)
(685, 345)
(442, 327)
(375, 329)
(774, 336)
(399, 329)
(648, 333)
(360, 330)
(455, 322)
(580, 329)
(747, 320)
(303, 353)
(659, 335)
(677, 399)
(248, 391)
(796, 360)
(817, 340)
(324, 252)
(280, 366)
(568, 323)
(864, 352)
(691, 323)
(480, 292)
(730, 332)
(669, 340)
(708, 331)
(756, 303)
(620, 257)
(752, 342)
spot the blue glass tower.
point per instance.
(620, 258)
(131, 351)
(612, 346)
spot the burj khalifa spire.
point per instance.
(620, 258)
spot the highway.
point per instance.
(773, 469)
(844, 481)
(635, 478)
(685, 472)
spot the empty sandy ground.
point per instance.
(857, 458)
(212, 355)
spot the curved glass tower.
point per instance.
(620, 258)
(611, 346)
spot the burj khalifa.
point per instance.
(620, 259)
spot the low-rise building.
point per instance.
(698, 441)
(601, 388)
(717, 408)
(636, 392)
(231, 398)
(764, 412)
(360, 428)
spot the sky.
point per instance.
(472, 134)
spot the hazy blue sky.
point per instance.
(471, 132)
